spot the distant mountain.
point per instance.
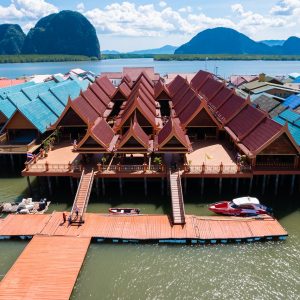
(291, 46)
(272, 43)
(222, 40)
(66, 32)
(11, 39)
(110, 52)
(167, 49)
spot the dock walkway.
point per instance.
(46, 269)
(145, 227)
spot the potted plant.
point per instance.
(103, 159)
(157, 160)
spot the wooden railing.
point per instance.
(275, 165)
(3, 138)
(130, 168)
(216, 169)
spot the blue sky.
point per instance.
(130, 25)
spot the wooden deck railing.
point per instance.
(216, 169)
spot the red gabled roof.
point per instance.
(173, 129)
(137, 133)
(177, 97)
(124, 89)
(106, 85)
(230, 108)
(220, 98)
(85, 109)
(264, 132)
(159, 88)
(199, 79)
(94, 101)
(185, 101)
(248, 118)
(134, 72)
(99, 92)
(175, 85)
(103, 132)
(210, 88)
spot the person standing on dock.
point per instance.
(64, 217)
(76, 212)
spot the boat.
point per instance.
(124, 211)
(243, 206)
(26, 206)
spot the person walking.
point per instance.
(64, 217)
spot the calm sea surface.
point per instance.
(224, 68)
(246, 271)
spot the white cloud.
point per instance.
(163, 4)
(186, 9)
(286, 7)
(80, 7)
(20, 10)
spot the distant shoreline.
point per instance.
(32, 58)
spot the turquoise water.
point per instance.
(225, 68)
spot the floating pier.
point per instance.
(143, 228)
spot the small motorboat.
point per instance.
(243, 206)
(124, 211)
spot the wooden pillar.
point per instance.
(185, 184)
(103, 186)
(121, 186)
(29, 185)
(49, 185)
(250, 185)
(145, 186)
(97, 187)
(264, 184)
(237, 186)
(72, 185)
(292, 184)
(12, 161)
(56, 180)
(202, 186)
(220, 185)
(276, 184)
(162, 186)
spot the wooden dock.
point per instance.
(146, 227)
(46, 269)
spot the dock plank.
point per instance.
(47, 269)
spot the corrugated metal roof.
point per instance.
(32, 92)
(52, 102)
(293, 129)
(266, 103)
(292, 101)
(4, 92)
(66, 89)
(289, 116)
(7, 108)
(38, 114)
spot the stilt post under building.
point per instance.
(29, 185)
(237, 186)
(202, 186)
(49, 185)
(12, 160)
(97, 187)
(250, 185)
(264, 184)
(162, 186)
(72, 185)
(185, 184)
(276, 184)
(103, 186)
(220, 185)
(121, 186)
(145, 186)
(292, 184)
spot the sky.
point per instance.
(134, 25)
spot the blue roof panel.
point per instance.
(7, 108)
(66, 89)
(289, 116)
(52, 102)
(15, 88)
(18, 99)
(32, 92)
(292, 101)
(38, 114)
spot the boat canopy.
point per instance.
(245, 200)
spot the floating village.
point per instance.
(138, 124)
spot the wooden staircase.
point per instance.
(177, 198)
(82, 197)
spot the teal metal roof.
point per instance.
(83, 83)
(66, 89)
(7, 108)
(52, 102)
(58, 78)
(293, 129)
(32, 92)
(289, 116)
(18, 99)
(38, 114)
(4, 92)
